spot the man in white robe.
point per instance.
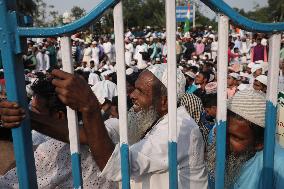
(140, 48)
(108, 49)
(95, 54)
(148, 153)
(129, 49)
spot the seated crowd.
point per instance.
(92, 92)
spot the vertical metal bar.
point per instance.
(271, 111)
(72, 118)
(223, 29)
(172, 91)
(15, 86)
(122, 105)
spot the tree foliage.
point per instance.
(77, 12)
(274, 12)
(40, 14)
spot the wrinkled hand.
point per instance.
(74, 91)
(11, 114)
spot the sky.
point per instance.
(66, 5)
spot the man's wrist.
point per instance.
(92, 107)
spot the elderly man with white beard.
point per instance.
(245, 142)
(148, 152)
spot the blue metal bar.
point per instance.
(172, 154)
(76, 171)
(124, 155)
(172, 92)
(220, 155)
(122, 101)
(271, 111)
(241, 21)
(15, 85)
(269, 143)
(222, 67)
(69, 28)
(73, 128)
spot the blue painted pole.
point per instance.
(172, 92)
(73, 128)
(121, 86)
(271, 111)
(222, 66)
(15, 86)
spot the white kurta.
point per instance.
(46, 62)
(39, 61)
(107, 50)
(95, 56)
(93, 79)
(129, 50)
(87, 55)
(138, 56)
(149, 157)
(214, 49)
(54, 170)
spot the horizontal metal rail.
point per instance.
(243, 22)
(69, 28)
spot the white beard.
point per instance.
(233, 164)
(139, 123)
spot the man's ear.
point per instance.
(164, 104)
(258, 146)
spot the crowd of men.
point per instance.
(92, 91)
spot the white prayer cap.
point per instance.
(256, 67)
(158, 59)
(187, 35)
(129, 71)
(244, 74)
(264, 42)
(235, 76)
(194, 57)
(148, 27)
(135, 40)
(262, 79)
(161, 72)
(104, 89)
(212, 36)
(254, 111)
(190, 74)
(94, 43)
(210, 27)
(250, 65)
(106, 73)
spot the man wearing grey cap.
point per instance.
(245, 143)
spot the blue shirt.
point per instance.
(251, 175)
(191, 89)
